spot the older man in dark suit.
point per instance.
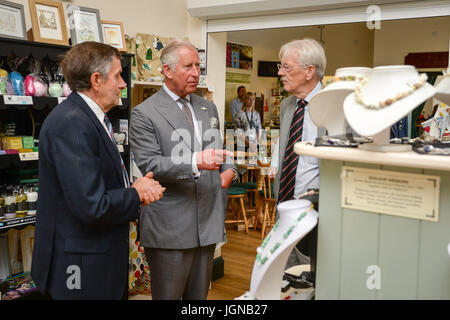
(85, 200)
(175, 134)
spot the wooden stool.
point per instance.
(237, 193)
(268, 198)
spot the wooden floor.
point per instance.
(239, 255)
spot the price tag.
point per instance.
(61, 99)
(120, 147)
(9, 99)
(29, 156)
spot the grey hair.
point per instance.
(169, 54)
(309, 52)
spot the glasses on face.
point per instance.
(287, 68)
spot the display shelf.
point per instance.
(17, 159)
(16, 222)
(40, 103)
(409, 159)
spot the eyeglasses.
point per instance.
(289, 67)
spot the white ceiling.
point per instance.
(269, 38)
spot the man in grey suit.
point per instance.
(301, 70)
(176, 135)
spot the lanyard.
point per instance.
(250, 122)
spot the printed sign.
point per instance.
(400, 194)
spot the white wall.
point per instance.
(397, 38)
(216, 69)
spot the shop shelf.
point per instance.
(16, 222)
(17, 159)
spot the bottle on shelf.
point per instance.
(10, 204)
(32, 196)
(2, 206)
(21, 203)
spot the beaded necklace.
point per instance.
(414, 85)
(342, 78)
(259, 258)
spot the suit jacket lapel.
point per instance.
(202, 115)
(110, 146)
(174, 116)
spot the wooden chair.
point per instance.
(237, 210)
(268, 199)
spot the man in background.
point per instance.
(85, 199)
(236, 104)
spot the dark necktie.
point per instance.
(290, 161)
(111, 134)
(187, 111)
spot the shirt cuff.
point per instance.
(195, 170)
(236, 177)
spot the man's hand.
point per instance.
(227, 178)
(211, 159)
(149, 190)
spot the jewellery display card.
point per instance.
(388, 192)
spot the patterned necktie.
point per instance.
(111, 134)
(290, 161)
(187, 111)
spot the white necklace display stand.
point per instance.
(325, 106)
(296, 219)
(383, 85)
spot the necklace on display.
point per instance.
(259, 258)
(414, 85)
(342, 78)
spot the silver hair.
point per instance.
(169, 54)
(309, 52)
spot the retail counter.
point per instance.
(368, 255)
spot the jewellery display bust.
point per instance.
(331, 99)
(296, 219)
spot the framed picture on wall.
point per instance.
(114, 35)
(48, 22)
(12, 20)
(85, 24)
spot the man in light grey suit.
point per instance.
(176, 135)
(301, 70)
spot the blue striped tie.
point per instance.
(290, 162)
(111, 134)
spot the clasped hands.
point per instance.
(148, 189)
(212, 159)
